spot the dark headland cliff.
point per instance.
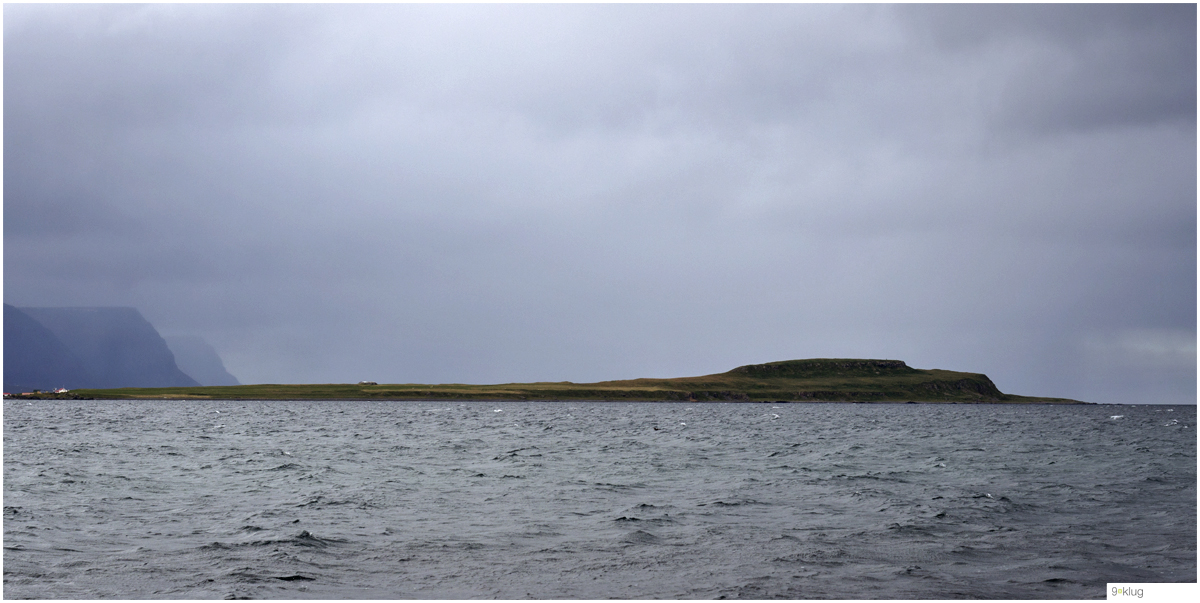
(47, 348)
(101, 348)
(814, 380)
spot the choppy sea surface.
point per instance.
(512, 500)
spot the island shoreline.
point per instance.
(817, 381)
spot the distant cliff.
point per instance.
(35, 358)
(199, 360)
(115, 346)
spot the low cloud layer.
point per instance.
(427, 193)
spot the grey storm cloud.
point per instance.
(428, 193)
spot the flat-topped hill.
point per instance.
(814, 380)
(823, 367)
(831, 379)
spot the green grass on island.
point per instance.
(816, 380)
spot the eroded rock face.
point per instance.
(982, 386)
(725, 396)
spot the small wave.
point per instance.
(1059, 581)
(640, 537)
(247, 574)
(908, 528)
(1057, 486)
(306, 539)
(617, 487)
(736, 503)
(321, 501)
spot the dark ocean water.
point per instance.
(216, 499)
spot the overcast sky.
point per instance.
(486, 194)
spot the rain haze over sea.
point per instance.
(498, 193)
(369, 499)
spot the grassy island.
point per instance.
(815, 380)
